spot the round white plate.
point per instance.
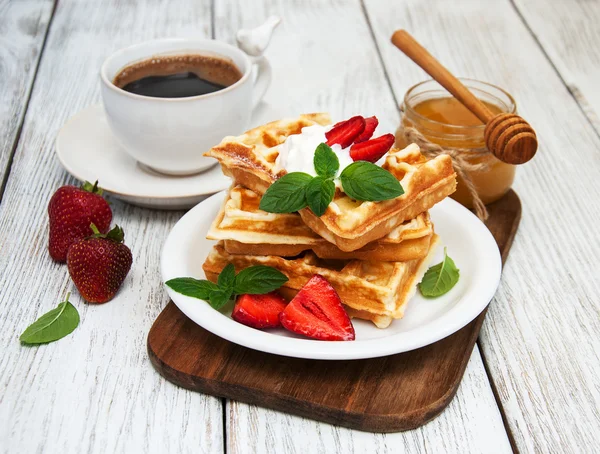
(87, 150)
(469, 243)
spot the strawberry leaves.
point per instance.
(255, 280)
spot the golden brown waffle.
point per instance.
(250, 158)
(246, 229)
(350, 224)
(376, 291)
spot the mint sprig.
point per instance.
(440, 278)
(365, 181)
(361, 180)
(256, 280)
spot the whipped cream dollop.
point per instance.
(297, 153)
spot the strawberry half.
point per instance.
(370, 126)
(259, 311)
(344, 133)
(317, 312)
(372, 150)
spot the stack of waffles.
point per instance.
(373, 253)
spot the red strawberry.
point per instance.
(99, 264)
(259, 311)
(373, 149)
(345, 133)
(370, 125)
(317, 312)
(71, 211)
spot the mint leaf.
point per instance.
(226, 277)
(286, 195)
(218, 298)
(195, 288)
(364, 181)
(259, 279)
(326, 161)
(440, 278)
(319, 194)
(53, 325)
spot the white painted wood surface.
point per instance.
(23, 27)
(94, 391)
(568, 32)
(540, 338)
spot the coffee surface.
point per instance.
(178, 76)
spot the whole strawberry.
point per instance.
(71, 211)
(99, 264)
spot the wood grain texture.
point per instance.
(389, 394)
(540, 338)
(568, 32)
(23, 26)
(324, 59)
(95, 390)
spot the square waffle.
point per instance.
(349, 224)
(246, 229)
(375, 291)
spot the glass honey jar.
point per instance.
(443, 120)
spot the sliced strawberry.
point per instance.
(345, 133)
(373, 149)
(317, 312)
(370, 125)
(259, 311)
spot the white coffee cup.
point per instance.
(171, 134)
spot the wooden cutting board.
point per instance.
(388, 394)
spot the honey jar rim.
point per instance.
(472, 85)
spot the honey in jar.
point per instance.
(443, 120)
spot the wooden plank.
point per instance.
(540, 338)
(94, 391)
(471, 423)
(23, 26)
(569, 34)
(324, 58)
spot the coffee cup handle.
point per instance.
(262, 79)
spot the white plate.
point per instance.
(87, 150)
(469, 243)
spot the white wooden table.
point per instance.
(533, 382)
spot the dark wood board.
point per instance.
(388, 394)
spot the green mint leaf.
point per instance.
(326, 161)
(195, 288)
(53, 325)
(286, 195)
(226, 277)
(257, 280)
(319, 194)
(440, 278)
(364, 181)
(218, 298)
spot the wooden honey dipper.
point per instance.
(508, 136)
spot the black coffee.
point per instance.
(178, 76)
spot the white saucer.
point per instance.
(87, 150)
(469, 242)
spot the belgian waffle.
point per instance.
(375, 291)
(347, 223)
(246, 229)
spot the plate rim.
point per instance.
(71, 171)
(322, 350)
